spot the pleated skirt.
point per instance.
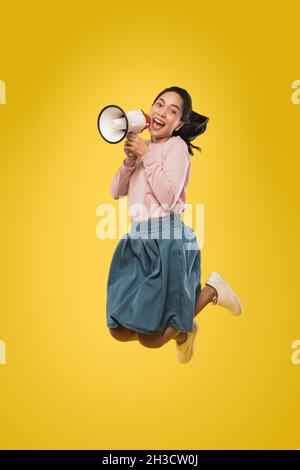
(154, 276)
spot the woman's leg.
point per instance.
(206, 296)
(156, 341)
(121, 333)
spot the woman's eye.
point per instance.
(159, 105)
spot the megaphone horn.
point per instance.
(114, 123)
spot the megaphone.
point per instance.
(114, 124)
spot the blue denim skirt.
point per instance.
(154, 276)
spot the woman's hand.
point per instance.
(135, 146)
(131, 157)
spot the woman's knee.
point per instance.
(120, 333)
(149, 341)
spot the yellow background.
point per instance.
(67, 383)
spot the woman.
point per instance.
(154, 290)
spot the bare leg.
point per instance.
(121, 333)
(156, 341)
(206, 296)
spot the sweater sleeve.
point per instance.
(120, 182)
(167, 180)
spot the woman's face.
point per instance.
(168, 109)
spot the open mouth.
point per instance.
(157, 124)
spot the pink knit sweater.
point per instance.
(156, 183)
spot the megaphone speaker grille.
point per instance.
(108, 128)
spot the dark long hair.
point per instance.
(194, 123)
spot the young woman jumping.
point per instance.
(154, 284)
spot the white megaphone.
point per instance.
(114, 124)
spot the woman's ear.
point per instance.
(180, 126)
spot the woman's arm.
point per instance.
(167, 182)
(120, 182)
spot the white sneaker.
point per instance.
(185, 350)
(226, 297)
